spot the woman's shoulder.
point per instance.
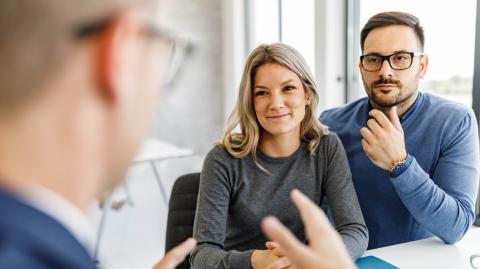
(329, 145)
(329, 140)
(220, 153)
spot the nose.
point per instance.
(385, 70)
(277, 100)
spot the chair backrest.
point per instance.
(181, 212)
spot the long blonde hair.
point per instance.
(244, 142)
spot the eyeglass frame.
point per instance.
(150, 29)
(387, 58)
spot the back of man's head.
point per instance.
(37, 38)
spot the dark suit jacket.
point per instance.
(30, 239)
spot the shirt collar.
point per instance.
(63, 211)
(413, 108)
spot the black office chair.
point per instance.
(181, 212)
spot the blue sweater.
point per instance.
(435, 194)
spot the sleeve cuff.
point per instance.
(410, 180)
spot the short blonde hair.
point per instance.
(245, 141)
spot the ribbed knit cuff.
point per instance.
(402, 168)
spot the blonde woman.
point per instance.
(273, 144)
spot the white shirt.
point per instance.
(63, 211)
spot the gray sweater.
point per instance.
(235, 194)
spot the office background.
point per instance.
(193, 109)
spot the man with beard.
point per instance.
(413, 155)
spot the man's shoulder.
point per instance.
(347, 118)
(440, 107)
(345, 111)
(28, 236)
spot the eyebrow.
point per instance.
(395, 52)
(286, 82)
(282, 84)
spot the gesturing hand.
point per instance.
(383, 140)
(175, 256)
(262, 259)
(325, 250)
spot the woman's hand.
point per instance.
(325, 250)
(283, 262)
(263, 259)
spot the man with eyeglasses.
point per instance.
(414, 156)
(78, 81)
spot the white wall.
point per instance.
(190, 113)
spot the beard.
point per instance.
(378, 98)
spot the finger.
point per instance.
(272, 227)
(275, 248)
(175, 256)
(366, 147)
(281, 263)
(279, 252)
(316, 222)
(393, 117)
(381, 118)
(367, 135)
(374, 126)
(271, 245)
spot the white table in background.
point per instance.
(151, 151)
(154, 150)
(431, 253)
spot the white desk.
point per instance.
(431, 253)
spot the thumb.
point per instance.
(393, 117)
(275, 248)
(272, 227)
(175, 256)
(271, 245)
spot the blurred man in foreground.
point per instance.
(78, 82)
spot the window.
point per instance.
(264, 19)
(287, 21)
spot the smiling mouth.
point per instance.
(278, 116)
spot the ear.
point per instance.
(112, 49)
(423, 65)
(307, 98)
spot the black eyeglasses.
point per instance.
(179, 48)
(397, 61)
